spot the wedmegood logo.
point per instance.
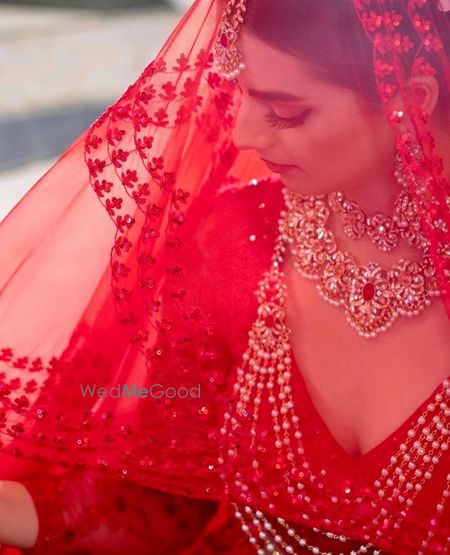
(155, 391)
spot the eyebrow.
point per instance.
(275, 96)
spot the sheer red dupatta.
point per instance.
(83, 283)
(99, 292)
(398, 54)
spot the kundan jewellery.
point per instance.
(373, 297)
(383, 231)
(265, 417)
(228, 57)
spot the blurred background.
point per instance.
(62, 62)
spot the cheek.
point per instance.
(338, 145)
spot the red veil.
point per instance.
(113, 268)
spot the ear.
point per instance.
(422, 92)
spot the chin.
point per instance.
(301, 185)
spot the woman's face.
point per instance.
(317, 129)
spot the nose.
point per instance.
(251, 130)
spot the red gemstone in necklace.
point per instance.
(368, 291)
(224, 40)
(269, 321)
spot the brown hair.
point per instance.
(345, 55)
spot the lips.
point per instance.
(278, 168)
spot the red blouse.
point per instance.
(88, 514)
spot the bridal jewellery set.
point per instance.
(264, 417)
(373, 297)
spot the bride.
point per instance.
(278, 182)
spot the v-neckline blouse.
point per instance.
(387, 446)
(269, 191)
(252, 217)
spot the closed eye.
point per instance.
(277, 121)
(287, 123)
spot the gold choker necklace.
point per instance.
(372, 296)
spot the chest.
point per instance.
(364, 389)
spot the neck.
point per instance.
(375, 194)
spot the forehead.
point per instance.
(268, 67)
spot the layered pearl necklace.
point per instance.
(263, 386)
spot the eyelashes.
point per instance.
(287, 123)
(279, 122)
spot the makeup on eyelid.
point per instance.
(290, 122)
